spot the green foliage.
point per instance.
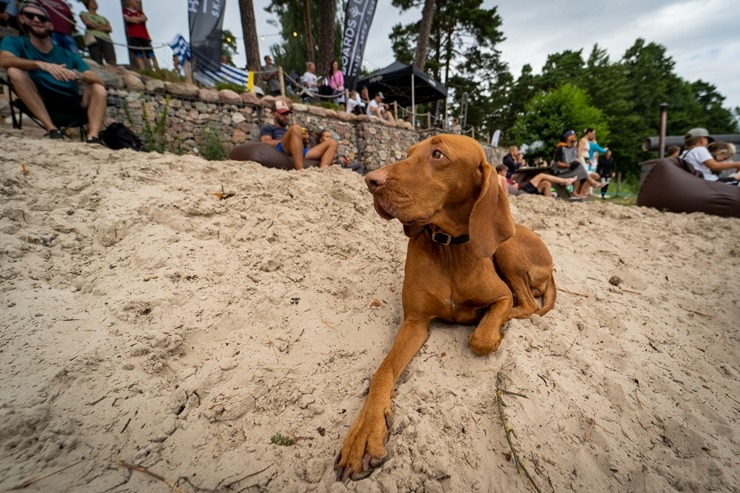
(237, 88)
(548, 114)
(154, 136)
(163, 74)
(228, 46)
(213, 147)
(282, 440)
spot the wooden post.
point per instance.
(282, 81)
(429, 121)
(188, 71)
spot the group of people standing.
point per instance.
(97, 38)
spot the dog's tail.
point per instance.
(548, 297)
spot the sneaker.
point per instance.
(94, 140)
(55, 134)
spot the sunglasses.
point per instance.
(31, 16)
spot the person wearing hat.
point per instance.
(290, 139)
(567, 165)
(377, 108)
(698, 156)
(46, 76)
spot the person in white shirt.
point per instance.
(377, 108)
(310, 82)
(355, 104)
(698, 156)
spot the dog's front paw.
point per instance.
(485, 342)
(364, 448)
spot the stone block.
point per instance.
(133, 82)
(229, 96)
(182, 89)
(155, 86)
(208, 95)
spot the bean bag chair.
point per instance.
(673, 185)
(266, 155)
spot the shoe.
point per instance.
(55, 134)
(94, 140)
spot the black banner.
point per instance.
(206, 19)
(357, 20)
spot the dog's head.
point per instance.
(445, 181)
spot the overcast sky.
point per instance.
(701, 36)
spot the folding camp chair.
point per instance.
(63, 120)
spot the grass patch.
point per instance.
(282, 440)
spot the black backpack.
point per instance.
(119, 136)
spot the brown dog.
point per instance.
(447, 198)
(525, 263)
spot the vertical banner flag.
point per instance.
(206, 19)
(357, 20)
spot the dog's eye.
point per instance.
(437, 154)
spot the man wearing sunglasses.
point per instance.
(45, 76)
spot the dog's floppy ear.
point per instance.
(412, 230)
(491, 222)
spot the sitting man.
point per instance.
(45, 76)
(540, 184)
(289, 139)
(698, 156)
(567, 165)
(376, 108)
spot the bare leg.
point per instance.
(544, 188)
(155, 64)
(29, 94)
(293, 145)
(139, 62)
(326, 152)
(94, 99)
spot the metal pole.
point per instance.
(663, 123)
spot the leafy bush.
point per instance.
(230, 85)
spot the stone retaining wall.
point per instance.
(195, 117)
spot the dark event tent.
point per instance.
(404, 84)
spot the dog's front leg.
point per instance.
(487, 337)
(364, 447)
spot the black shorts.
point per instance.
(529, 188)
(141, 47)
(61, 103)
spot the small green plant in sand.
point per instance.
(282, 440)
(213, 147)
(237, 88)
(153, 136)
(163, 74)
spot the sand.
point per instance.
(148, 322)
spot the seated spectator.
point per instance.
(310, 83)
(721, 152)
(293, 139)
(355, 105)
(45, 76)
(63, 21)
(97, 36)
(540, 184)
(567, 165)
(375, 108)
(673, 151)
(510, 161)
(456, 127)
(140, 44)
(701, 159)
(520, 162)
(9, 14)
(365, 95)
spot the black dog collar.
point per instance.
(445, 239)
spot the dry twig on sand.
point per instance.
(150, 473)
(27, 483)
(501, 380)
(572, 292)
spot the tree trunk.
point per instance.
(249, 29)
(327, 19)
(425, 29)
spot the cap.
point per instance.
(380, 95)
(26, 5)
(698, 132)
(568, 133)
(282, 107)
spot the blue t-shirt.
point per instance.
(21, 47)
(274, 131)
